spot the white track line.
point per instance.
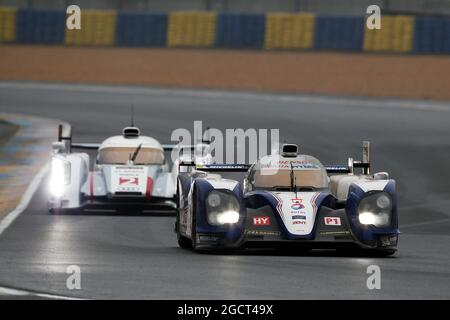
(25, 201)
(22, 293)
(9, 219)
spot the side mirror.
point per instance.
(58, 147)
(381, 176)
(185, 166)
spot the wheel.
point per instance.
(384, 253)
(183, 242)
(193, 224)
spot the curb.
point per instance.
(7, 131)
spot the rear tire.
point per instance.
(184, 242)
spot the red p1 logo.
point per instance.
(332, 221)
(261, 221)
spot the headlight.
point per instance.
(59, 176)
(222, 207)
(376, 209)
(214, 199)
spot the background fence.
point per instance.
(399, 33)
(327, 7)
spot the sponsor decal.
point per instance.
(129, 181)
(286, 165)
(297, 204)
(298, 222)
(261, 221)
(262, 233)
(298, 217)
(335, 233)
(332, 221)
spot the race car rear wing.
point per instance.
(224, 167)
(217, 167)
(169, 147)
(85, 146)
(333, 169)
(352, 164)
(65, 144)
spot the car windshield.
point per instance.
(275, 173)
(120, 155)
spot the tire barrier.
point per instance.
(191, 29)
(339, 33)
(238, 30)
(8, 24)
(141, 29)
(289, 31)
(398, 33)
(40, 26)
(98, 28)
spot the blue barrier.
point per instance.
(432, 35)
(240, 30)
(339, 33)
(141, 29)
(446, 36)
(40, 26)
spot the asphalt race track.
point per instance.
(138, 257)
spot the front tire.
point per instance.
(183, 242)
(194, 224)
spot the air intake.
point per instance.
(289, 150)
(131, 132)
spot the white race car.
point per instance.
(130, 173)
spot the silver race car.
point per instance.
(130, 173)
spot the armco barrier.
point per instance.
(7, 24)
(238, 30)
(191, 29)
(395, 35)
(97, 28)
(339, 33)
(40, 26)
(141, 29)
(289, 31)
(432, 35)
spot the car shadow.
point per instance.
(118, 213)
(325, 253)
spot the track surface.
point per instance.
(137, 257)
